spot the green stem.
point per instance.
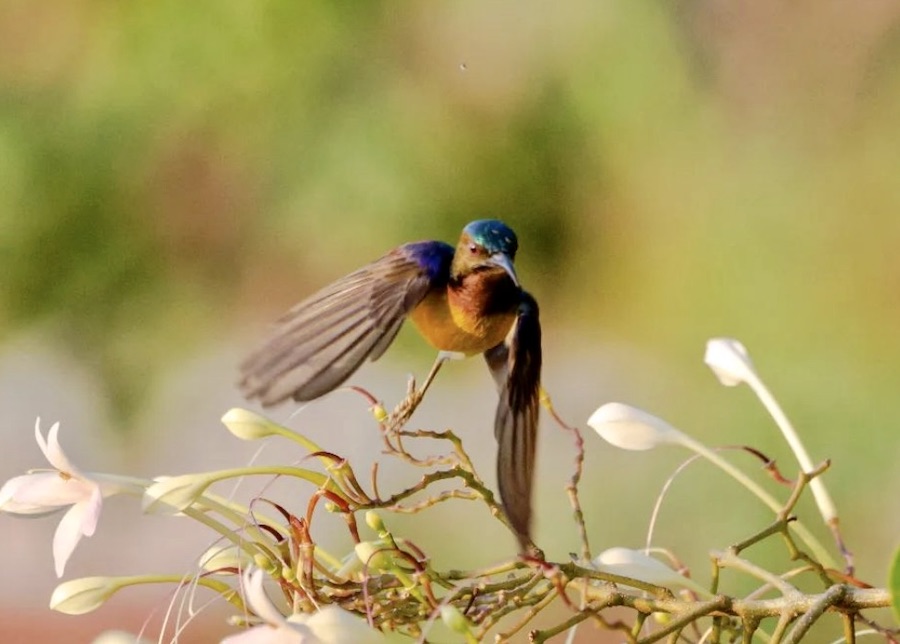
(818, 549)
(239, 515)
(823, 499)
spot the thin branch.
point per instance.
(572, 486)
(695, 612)
(828, 599)
(731, 560)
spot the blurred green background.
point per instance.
(176, 174)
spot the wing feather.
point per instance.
(321, 341)
(516, 366)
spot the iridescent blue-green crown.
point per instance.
(494, 236)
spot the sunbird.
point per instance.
(463, 301)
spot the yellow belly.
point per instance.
(449, 328)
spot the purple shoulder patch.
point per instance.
(434, 257)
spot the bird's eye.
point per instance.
(473, 248)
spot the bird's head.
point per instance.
(486, 245)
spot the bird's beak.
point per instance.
(503, 261)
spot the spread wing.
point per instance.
(516, 367)
(321, 341)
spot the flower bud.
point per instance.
(454, 619)
(374, 555)
(380, 413)
(248, 425)
(630, 428)
(637, 565)
(730, 361)
(263, 562)
(224, 556)
(80, 596)
(374, 521)
(173, 494)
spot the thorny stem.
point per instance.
(574, 571)
(834, 526)
(769, 464)
(802, 481)
(539, 637)
(572, 486)
(890, 635)
(424, 482)
(446, 495)
(505, 568)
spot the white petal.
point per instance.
(68, 534)
(56, 456)
(93, 507)
(258, 599)
(265, 634)
(30, 511)
(729, 360)
(49, 490)
(630, 428)
(11, 497)
(50, 447)
(635, 564)
(118, 637)
(333, 625)
(39, 437)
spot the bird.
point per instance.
(464, 301)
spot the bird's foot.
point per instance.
(531, 553)
(406, 407)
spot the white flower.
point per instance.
(630, 428)
(637, 565)
(48, 491)
(730, 361)
(328, 625)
